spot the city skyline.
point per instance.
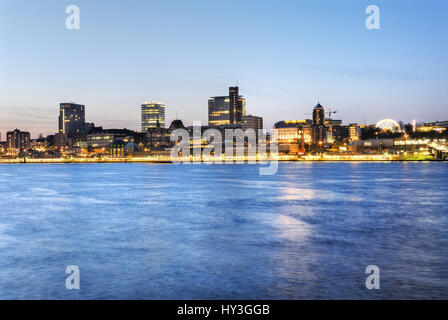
(143, 123)
(229, 159)
(118, 59)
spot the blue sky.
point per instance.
(286, 55)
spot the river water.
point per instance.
(162, 231)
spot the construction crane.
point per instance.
(330, 113)
(331, 124)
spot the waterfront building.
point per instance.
(347, 133)
(437, 126)
(341, 133)
(117, 148)
(101, 140)
(152, 115)
(17, 141)
(72, 120)
(160, 138)
(157, 138)
(331, 126)
(443, 124)
(294, 136)
(123, 147)
(61, 141)
(225, 110)
(354, 132)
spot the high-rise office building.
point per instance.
(17, 141)
(153, 115)
(237, 105)
(218, 111)
(225, 110)
(72, 119)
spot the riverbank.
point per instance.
(354, 158)
(84, 160)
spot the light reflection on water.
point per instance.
(148, 231)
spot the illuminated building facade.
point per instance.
(157, 138)
(122, 147)
(225, 110)
(101, 140)
(294, 136)
(17, 141)
(72, 120)
(218, 111)
(160, 138)
(153, 115)
(237, 105)
(438, 126)
(117, 148)
(354, 133)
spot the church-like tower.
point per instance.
(318, 115)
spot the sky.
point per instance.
(286, 57)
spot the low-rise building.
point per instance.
(101, 140)
(294, 136)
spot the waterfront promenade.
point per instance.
(167, 159)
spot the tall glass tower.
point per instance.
(153, 115)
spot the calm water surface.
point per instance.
(155, 231)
